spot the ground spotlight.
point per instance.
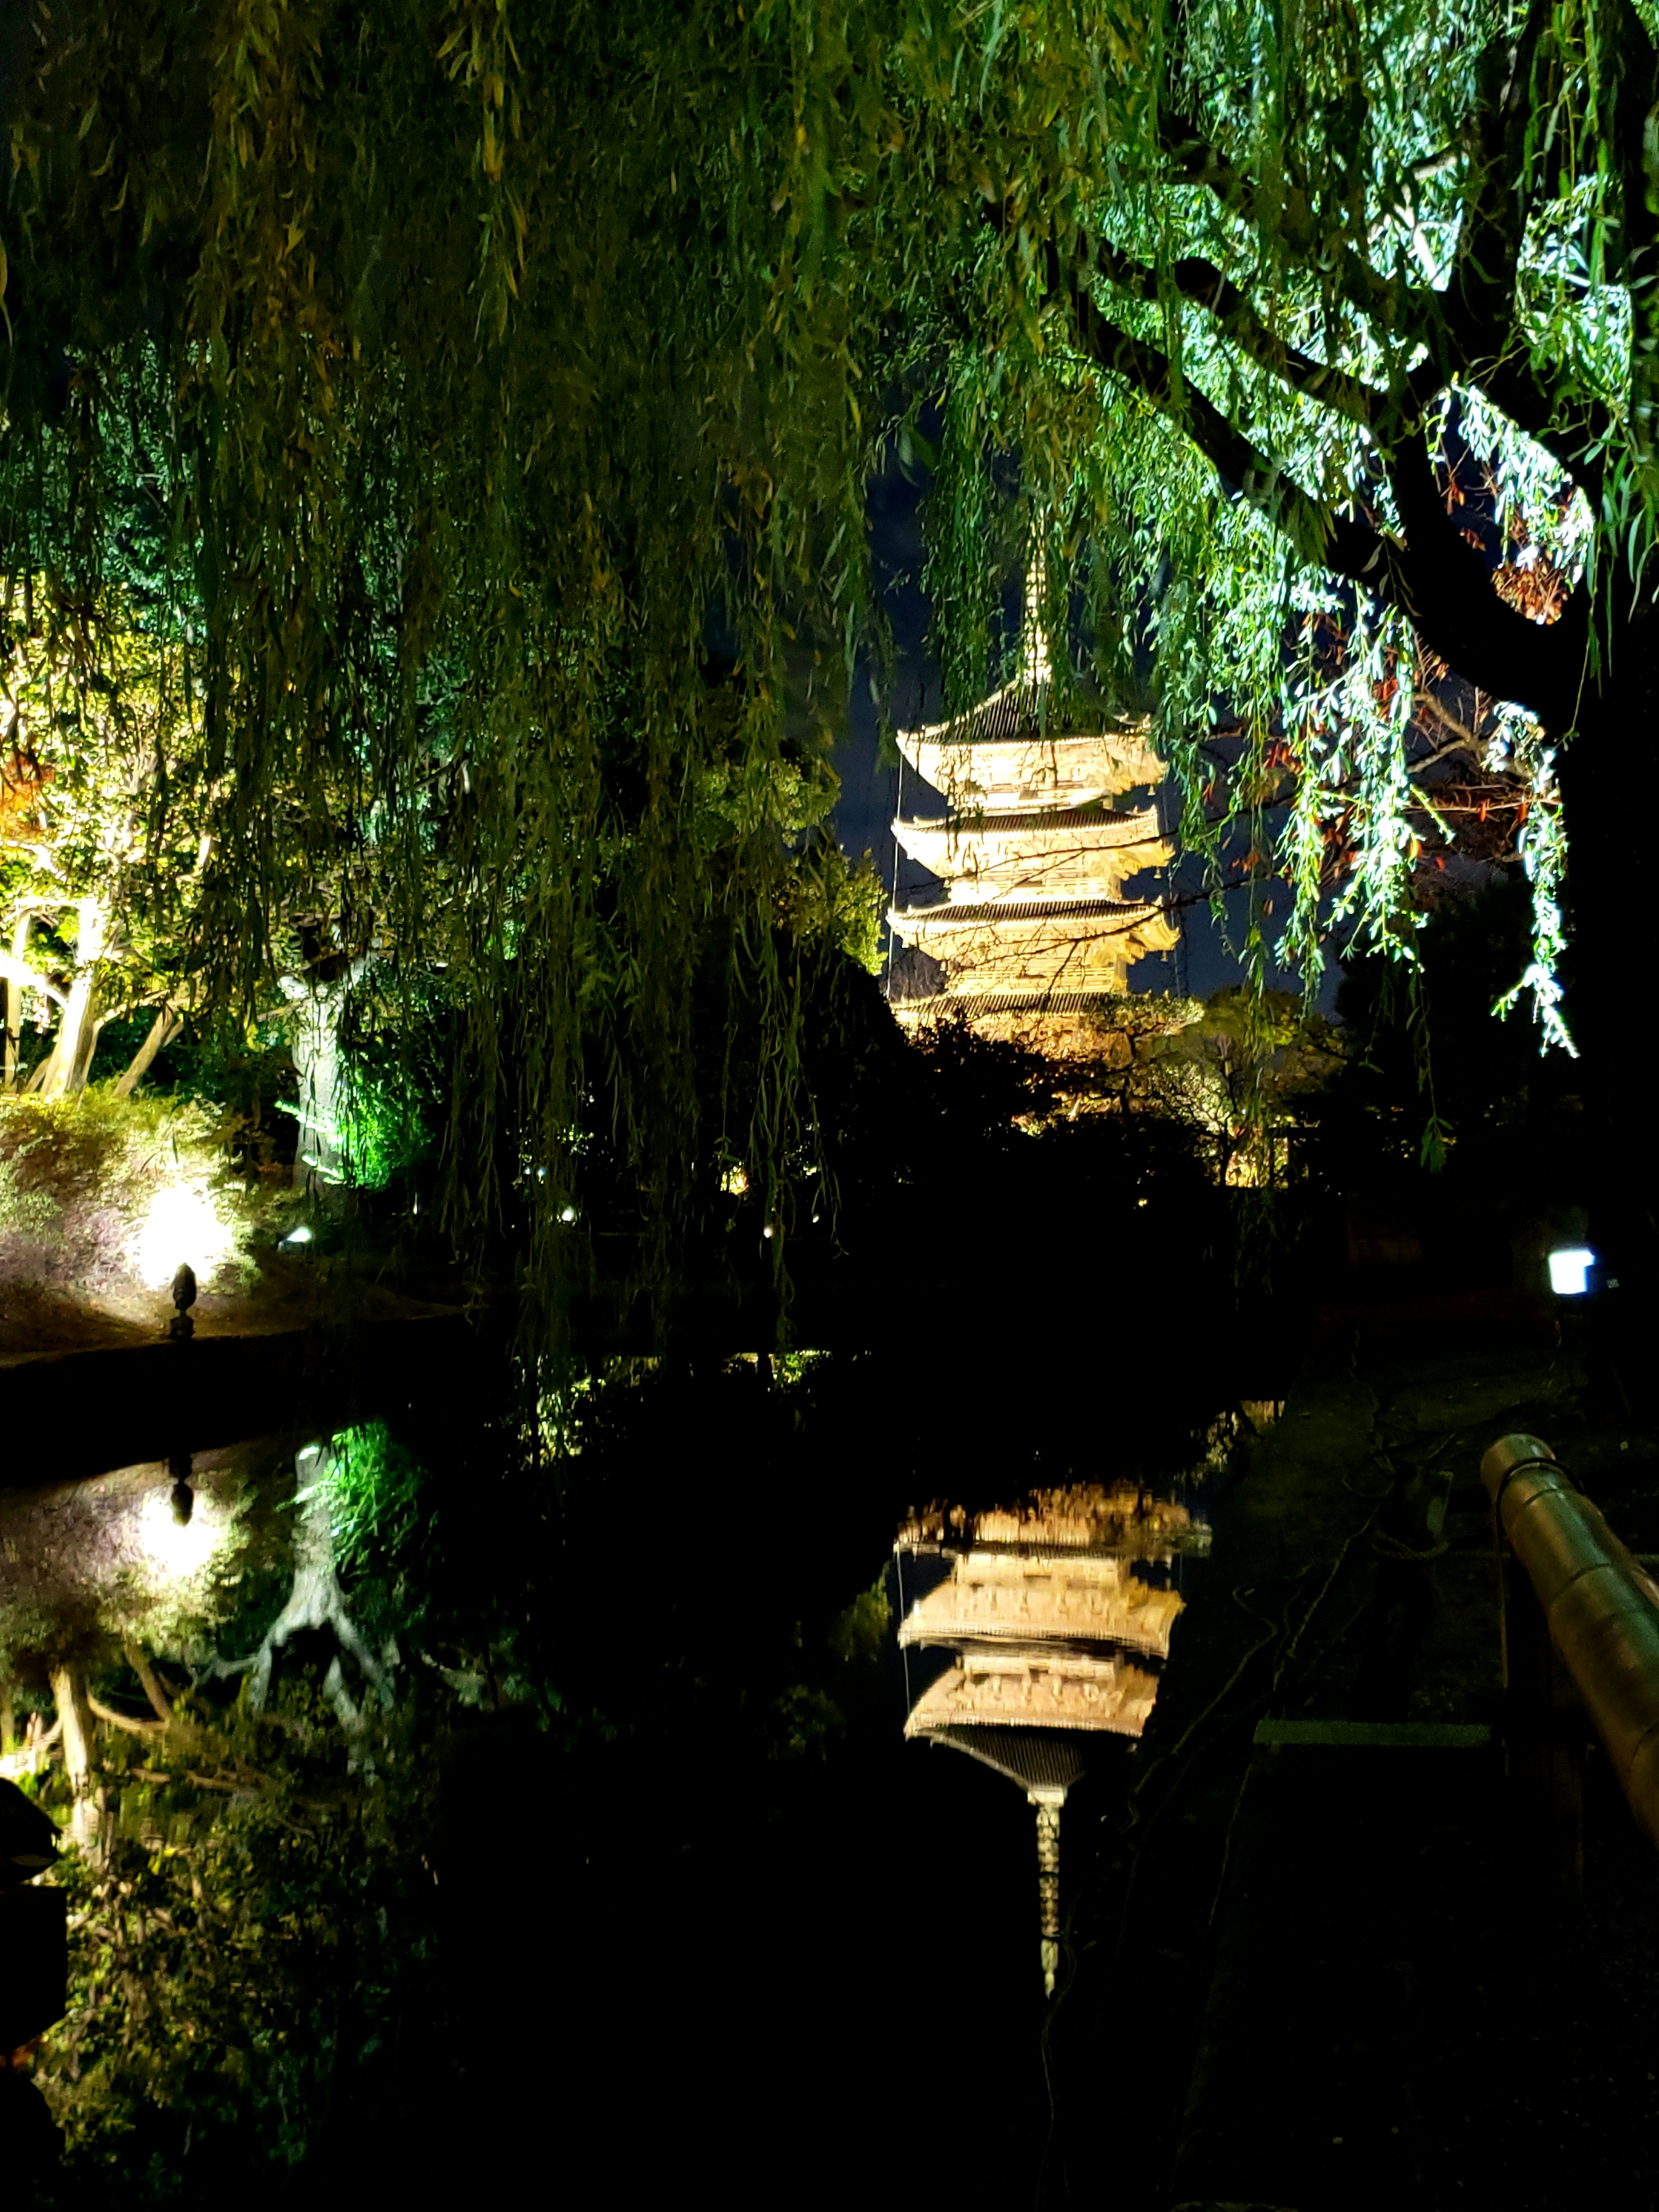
(1569, 1271)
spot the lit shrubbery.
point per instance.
(99, 1192)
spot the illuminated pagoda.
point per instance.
(1051, 1636)
(1036, 929)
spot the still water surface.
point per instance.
(700, 1806)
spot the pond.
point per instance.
(678, 1781)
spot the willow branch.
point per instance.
(1480, 303)
(1329, 540)
(1208, 286)
(1398, 309)
(1444, 587)
(1435, 577)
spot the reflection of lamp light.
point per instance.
(1569, 1271)
(179, 1544)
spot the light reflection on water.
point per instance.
(1047, 1622)
(251, 1725)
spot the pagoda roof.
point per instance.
(1008, 755)
(1029, 1757)
(1088, 814)
(934, 1005)
(1039, 1689)
(1119, 1517)
(991, 1597)
(1019, 711)
(974, 914)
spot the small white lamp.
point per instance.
(1569, 1271)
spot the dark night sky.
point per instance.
(869, 784)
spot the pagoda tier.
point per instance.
(1035, 944)
(1037, 1689)
(1000, 759)
(1083, 851)
(991, 1597)
(1115, 1520)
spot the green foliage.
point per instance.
(101, 796)
(861, 1631)
(428, 384)
(241, 1946)
(27, 1209)
(443, 375)
(838, 901)
(805, 1723)
(372, 1484)
(80, 1178)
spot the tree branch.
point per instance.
(1480, 299)
(29, 979)
(1402, 309)
(138, 1659)
(162, 1030)
(1208, 286)
(1436, 579)
(1444, 587)
(133, 1726)
(1328, 540)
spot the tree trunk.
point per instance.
(75, 1716)
(319, 1164)
(317, 1600)
(19, 953)
(65, 1069)
(162, 1030)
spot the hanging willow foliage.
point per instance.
(433, 379)
(440, 372)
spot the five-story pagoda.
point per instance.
(1035, 929)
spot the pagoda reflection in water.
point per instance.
(1052, 1635)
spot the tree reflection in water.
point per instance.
(240, 1906)
(430, 1819)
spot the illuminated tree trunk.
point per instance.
(65, 1069)
(319, 1164)
(317, 1600)
(19, 953)
(162, 1030)
(75, 1715)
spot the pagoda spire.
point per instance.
(1036, 668)
(1047, 1803)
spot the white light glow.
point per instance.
(1570, 1270)
(183, 1227)
(300, 1236)
(566, 1213)
(179, 1550)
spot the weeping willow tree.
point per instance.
(1326, 333)
(1325, 336)
(436, 382)
(443, 378)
